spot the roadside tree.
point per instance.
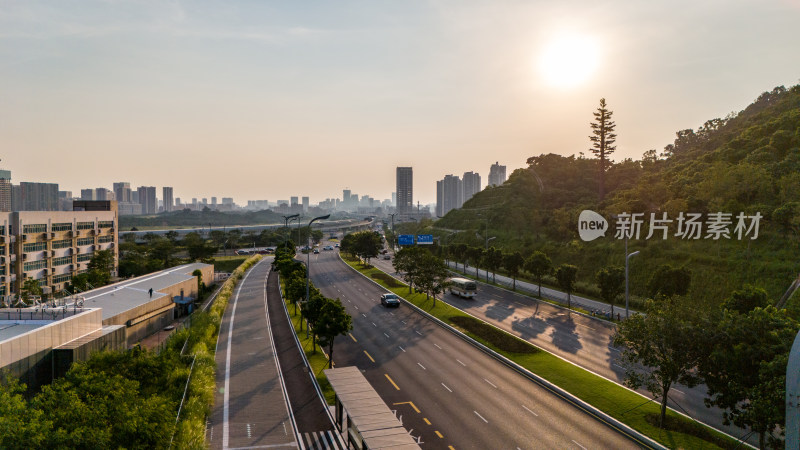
(333, 321)
(513, 262)
(746, 370)
(668, 339)
(668, 281)
(611, 281)
(566, 275)
(538, 265)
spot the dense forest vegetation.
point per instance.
(746, 162)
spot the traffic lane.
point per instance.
(584, 341)
(483, 397)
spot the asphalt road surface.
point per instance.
(584, 341)
(249, 406)
(448, 393)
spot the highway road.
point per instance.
(584, 341)
(447, 392)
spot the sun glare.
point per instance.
(569, 61)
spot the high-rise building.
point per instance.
(449, 194)
(213, 201)
(294, 201)
(471, 183)
(405, 190)
(227, 201)
(497, 174)
(103, 194)
(34, 197)
(394, 198)
(122, 191)
(5, 190)
(87, 194)
(166, 195)
(305, 204)
(147, 198)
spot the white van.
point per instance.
(463, 287)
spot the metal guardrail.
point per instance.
(41, 314)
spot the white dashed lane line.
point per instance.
(445, 386)
(477, 414)
(459, 361)
(490, 383)
(435, 345)
(415, 331)
(526, 409)
(423, 367)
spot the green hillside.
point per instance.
(747, 162)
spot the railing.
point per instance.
(41, 314)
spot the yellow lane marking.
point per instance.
(370, 357)
(439, 434)
(391, 381)
(409, 403)
(426, 420)
(450, 447)
(352, 337)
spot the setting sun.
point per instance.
(568, 61)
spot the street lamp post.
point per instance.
(298, 229)
(308, 261)
(627, 257)
(394, 237)
(286, 220)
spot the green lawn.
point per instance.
(624, 405)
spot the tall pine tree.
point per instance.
(603, 138)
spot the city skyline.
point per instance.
(276, 100)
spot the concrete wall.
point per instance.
(29, 356)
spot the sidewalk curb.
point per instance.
(600, 416)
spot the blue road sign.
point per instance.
(424, 239)
(405, 239)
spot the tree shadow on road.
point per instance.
(563, 333)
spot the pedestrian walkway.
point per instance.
(250, 408)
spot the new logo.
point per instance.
(591, 225)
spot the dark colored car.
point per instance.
(390, 300)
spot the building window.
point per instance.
(86, 241)
(62, 260)
(104, 239)
(105, 224)
(34, 247)
(2, 229)
(34, 228)
(65, 226)
(85, 257)
(62, 278)
(34, 265)
(65, 243)
(86, 225)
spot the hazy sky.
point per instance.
(267, 99)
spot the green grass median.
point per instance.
(622, 404)
(317, 359)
